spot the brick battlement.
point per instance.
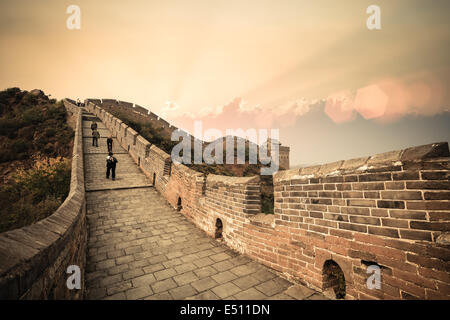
(390, 210)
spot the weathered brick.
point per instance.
(365, 220)
(407, 214)
(428, 185)
(361, 203)
(372, 194)
(439, 195)
(335, 216)
(428, 205)
(395, 185)
(351, 178)
(382, 231)
(439, 216)
(395, 223)
(406, 175)
(316, 214)
(353, 194)
(375, 177)
(356, 211)
(435, 175)
(352, 227)
(391, 204)
(368, 186)
(427, 262)
(415, 235)
(379, 212)
(401, 195)
(433, 226)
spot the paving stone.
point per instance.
(160, 296)
(185, 267)
(299, 292)
(317, 296)
(225, 290)
(163, 285)
(246, 282)
(223, 277)
(138, 293)
(264, 275)
(106, 281)
(133, 274)
(153, 268)
(280, 296)
(206, 261)
(205, 272)
(250, 294)
(118, 287)
(182, 292)
(143, 280)
(204, 284)
(242, 270)
(223, 265)
(164, 274)
(220, 257)
(185, 278)
(270, 288)
(207, 295)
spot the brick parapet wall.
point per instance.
(389, 210)
(34, 259)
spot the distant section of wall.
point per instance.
(389, 211)
(34, 259)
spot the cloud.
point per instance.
(239, 113)
(384, 100)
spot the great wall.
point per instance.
(136, 238)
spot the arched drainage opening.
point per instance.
(219, 229)
(179, 206)
(333, 277)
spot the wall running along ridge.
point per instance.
(391, 210)
(34, 259)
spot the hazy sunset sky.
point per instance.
(335, 89)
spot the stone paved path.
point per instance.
(141, 248)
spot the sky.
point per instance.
(312, 69)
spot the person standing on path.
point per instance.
(111, 166)
(95, 137)
(94, 126)
(109, 142)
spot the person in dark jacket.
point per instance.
(95, 137)
(109, 142)
(94, 126)
(111, 162)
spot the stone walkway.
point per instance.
(141, 248)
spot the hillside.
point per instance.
(35, 157)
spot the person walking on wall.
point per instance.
(111, 162)
(109, 142)
(95, 137)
